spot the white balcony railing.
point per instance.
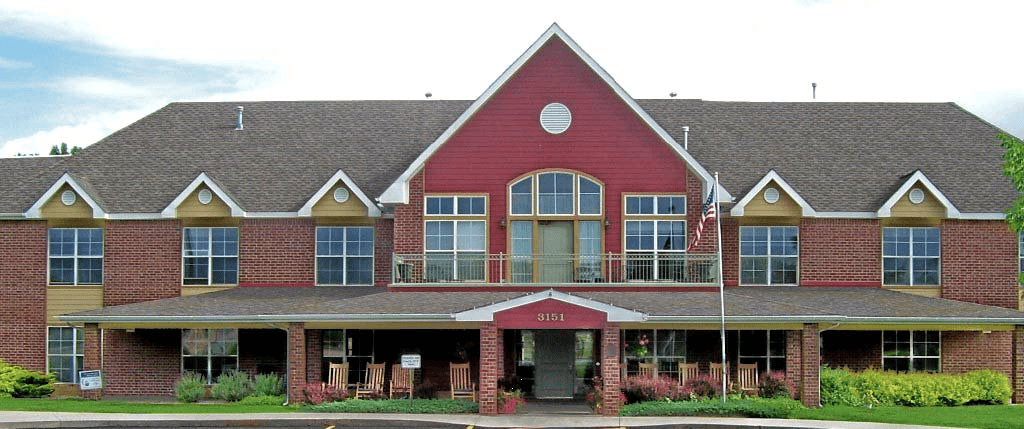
(481, 268)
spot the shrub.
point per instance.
(841, 387)
(993, 387)
(775, 408)
(232, 386)
(595, 396)
(21, 383)
(419, 406)
(263, 400)
(190, 387)
(510, 401)
(319, 393)
(641, 388)
(703, 386)
(774, 384)
(268, 385)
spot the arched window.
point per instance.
(557, 193)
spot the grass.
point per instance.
(75, 405)
(973, 416)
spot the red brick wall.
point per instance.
(840, 252)
(489, 357)
(794, 358)
(856, 350)
(408, 224)
(23, 294)
(694, 205)
(384, 246)
(1017, 381)
(276, 253)
(979, 262)
(91, 356)
(297, 358)
(730, 252)
(314, 355)
(611, 371)
(146, 362)
(142, 261)
(810, 363)
(965, 351)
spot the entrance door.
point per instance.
(554, 359)
(556, 261)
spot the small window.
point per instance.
(209, 352)
(910, 256)
(463, 206)
(210, 256)
(911, 351)
(65, 353)
(655, 205)
(76, 256)
(522, 197)
(590, 197)
(554, 193)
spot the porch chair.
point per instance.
(647, 370)
(462, 384)
(716, 373)
(374, 385)
(401, 380)
(337, 375)
(747, 374)
(687, 371)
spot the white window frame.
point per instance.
(576, 195)
(455, 251)
(208, 355)
(654, 205)
(911, 257)
(345, 257)
(912, 356)
(75, 257)
(457, 200)
(770, 256)
(209, 256)
(77, 356)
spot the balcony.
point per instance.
(472, 269)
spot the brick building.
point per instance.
(539, 233)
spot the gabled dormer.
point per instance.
(917, 200)
(340, 197)
(70, 197)
(203, 198)
(772, 197)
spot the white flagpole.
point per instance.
(721, 285)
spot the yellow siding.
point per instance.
(191, 207)
(328, 207)
(189, 290)
(69, 299)
(929, 208)
(54, 208)
(929, 291)
(785, 206)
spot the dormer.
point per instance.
(340, 197)
(202, 200)
(917, 202)
(772, 198)
(67, 199)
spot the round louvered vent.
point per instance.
(205, 196)
(68, 197)
(341, 195)
(771, 195)
(555, 118)
(916, 196)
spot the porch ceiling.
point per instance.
(745, 304)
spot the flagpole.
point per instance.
(721, 285)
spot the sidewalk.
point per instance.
(27, 419)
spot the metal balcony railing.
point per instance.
(481, 268)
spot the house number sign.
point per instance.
(550, 317)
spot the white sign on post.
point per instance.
(88, 380)
(410, 361)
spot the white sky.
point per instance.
(968, 52)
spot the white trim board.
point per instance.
(372, 209)
(35, 212)
(171, 210)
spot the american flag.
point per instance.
(708, 212)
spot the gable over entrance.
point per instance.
(550, 309)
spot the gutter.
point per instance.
(842, 320)
(285, 318)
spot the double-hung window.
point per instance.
(76, 256)
(65, 352)
(765, 348)
(210, 256)
(769, 255)
(209, 352)
(910, 256)
(655, 237)
(455, 238)
(344, 255)
(909, 351)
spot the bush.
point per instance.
(841, 387)
(775, 408)
(190, 387)
(703, 386)
(419, 406)
(232, 386)
(268, 385)
(21, 383)
(992, 387)
(263, 400)
(319, 393)
(774, 384)
(641, 388)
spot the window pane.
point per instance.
(671, 205)
(197, 241)
(196, 270)
(896, 271)
(471, 206)
(329, 270)
(522, 196)
(783, 270)
(753, 240)
(471, 236)
(62, 270)
(440, 235)
(754, 270)
(590, 197)
(225, 271)
(90, 271)
(360, 271)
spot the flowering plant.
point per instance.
(640, 348)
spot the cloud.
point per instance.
(13, 64)
(89, 86)
(81, 134)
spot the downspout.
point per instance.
(819, 357)
(287, 357)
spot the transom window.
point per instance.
(209, 352)
(455, 206)
(210, 256)
(910, 256)
(76, 256)
(65, 352)
(769, 255)
(556, 193)
(910, 351)
(344, 255)
(656, 205)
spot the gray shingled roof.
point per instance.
(753, 303)
(838, 156)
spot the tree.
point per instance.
(63, 150)
(1013, 167)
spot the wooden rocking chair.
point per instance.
(337, 375)
(646, 370)
(687, 371)
(747, 374)
(462, 383)
(717, 373)
(374, 385)
(401, 380)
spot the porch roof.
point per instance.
(745, 304)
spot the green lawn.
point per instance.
(88, 406)
(976, 416)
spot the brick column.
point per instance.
(794, 365)
(296, 361)
(93, 359)
(1017, 380)
(500, 347)
(810, 364)
(314, 355)
(610, 368)
(489, 368)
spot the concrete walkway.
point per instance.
(26, 419)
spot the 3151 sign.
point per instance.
(550, 317)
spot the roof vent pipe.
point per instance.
(686, 138)
(238, 125)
